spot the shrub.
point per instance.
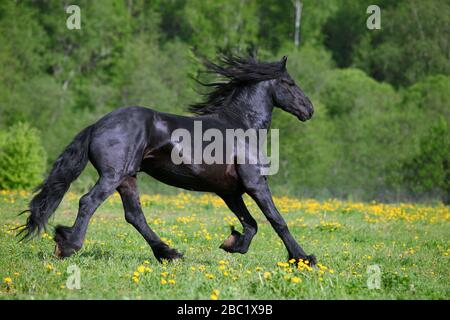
(22, 157)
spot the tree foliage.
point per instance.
(22, 157)
(381, 96)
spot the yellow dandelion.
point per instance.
(266, 275)
(135, 279)
(163, 281)
(296, 279)
(7, 280)
(282, 264)
(172, 281)
(141, 269)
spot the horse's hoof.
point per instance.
(311, 259)
(58, 252)
(229, 245)
(168, 254)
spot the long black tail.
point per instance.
(66, 169)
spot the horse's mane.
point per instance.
(234, 73)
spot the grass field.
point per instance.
(409, 243)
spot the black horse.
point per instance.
(133, 139)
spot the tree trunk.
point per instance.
(298, 16)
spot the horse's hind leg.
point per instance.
(238, 242)
(70, 239)
(134, 215)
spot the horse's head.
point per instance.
(289, 97)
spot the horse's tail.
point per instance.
(66, 169)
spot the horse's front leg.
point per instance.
(256, 186)
(238, 242)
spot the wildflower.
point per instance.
(172, 281)
(49, 266)
(62, 286)
(282, 264)
(193, 268)
(164, 274)
(147, 269)
(7, 280)
(209, 275)
(146, 262)
(296, 279)
(136, 274)
(141, 269)
(135, 279)
(163, 281)
(292, 261)
(266, 275)
(258, 269)
(16, 274)
(215, 294)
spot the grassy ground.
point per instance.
(409, 243)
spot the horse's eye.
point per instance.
(288, 82)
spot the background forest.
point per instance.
(381, 125)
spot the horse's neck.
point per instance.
(251, 108)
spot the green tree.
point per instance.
(22, 158)
(412, 43)
(429, 170)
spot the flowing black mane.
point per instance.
(235, 72)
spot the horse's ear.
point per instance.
(283, 62)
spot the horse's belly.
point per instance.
(212, 178)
